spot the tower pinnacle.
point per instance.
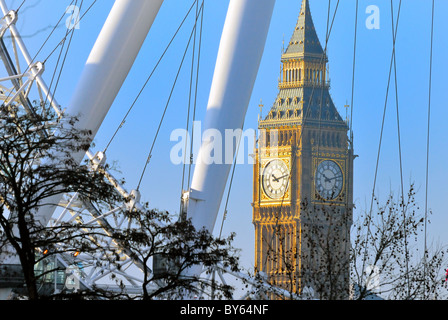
(304, 40)
(303, 85)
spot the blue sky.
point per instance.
(162, 182)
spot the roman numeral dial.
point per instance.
(275, 179)
(329, 180)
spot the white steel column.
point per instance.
(106, 69)
(111, 60)
(241, 49)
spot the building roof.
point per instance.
(304, 101)
(294, 106)
(304, 39)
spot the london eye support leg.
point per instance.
(107, 67)
(240, 52)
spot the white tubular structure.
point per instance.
(111, 59)
(107, 67)
(241, 49)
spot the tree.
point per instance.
(313, 262)
(36, 164)
(386, 258)
(174, 247)
(380, 257)
(325, 253)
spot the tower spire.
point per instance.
(303, 81)
(304, 40)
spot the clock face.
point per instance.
(329, 180)
(275, 179)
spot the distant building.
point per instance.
(303, 176)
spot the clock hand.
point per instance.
(335, 178)
(277, 179)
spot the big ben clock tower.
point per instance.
(303, 177)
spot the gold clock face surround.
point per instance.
(329, 179)
(275, 179)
